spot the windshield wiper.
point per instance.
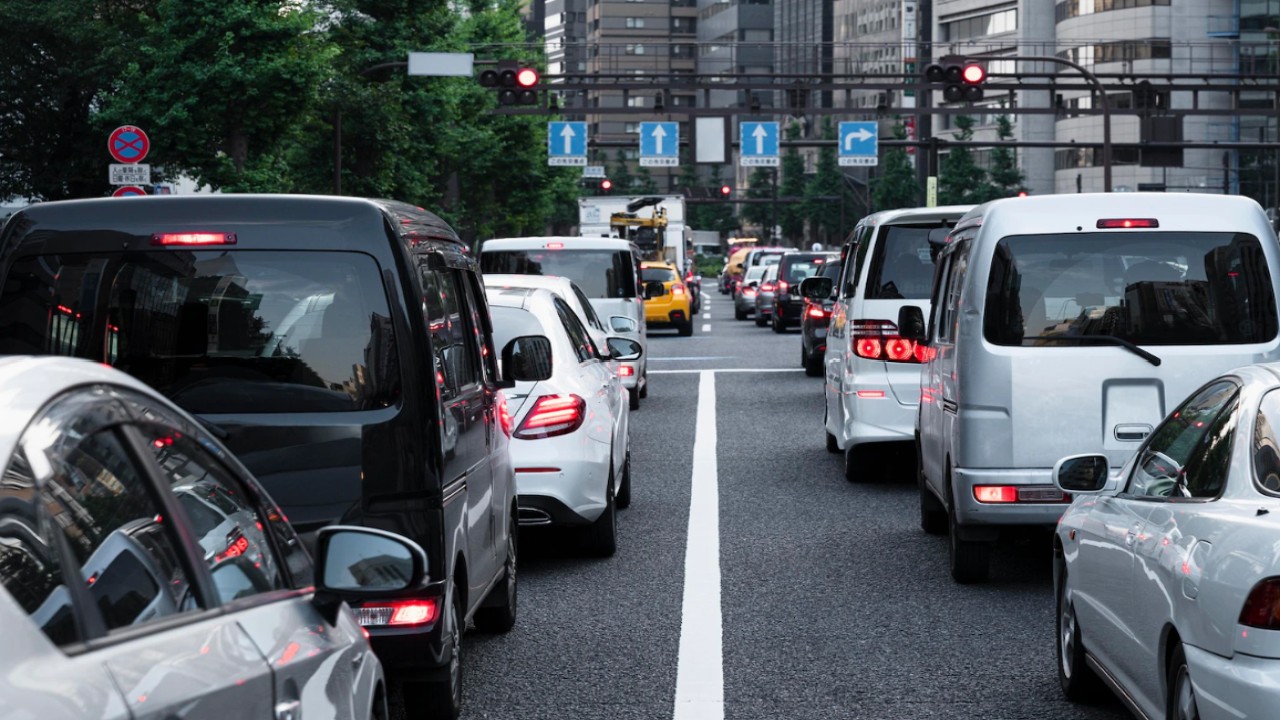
(214, 428)
(1110, 339)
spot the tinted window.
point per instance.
(1266, 443)
(510, 323)
(600, 273)
(216, 331)
(798, 266)
(451, 338)
(902, 268)
(587, 309)
(1188, 455)
(1150, 288)
(577, 333)
(657, 274)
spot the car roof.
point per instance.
(913, 215)
(657, 264)
(570, 243)
(1073, 213)
(30, 382)
(555, 283)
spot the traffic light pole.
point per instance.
(1101, 92)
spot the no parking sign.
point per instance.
(128, 144)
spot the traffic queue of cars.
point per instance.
(1081, 363)
(406, 414)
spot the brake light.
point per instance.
(677, 289)
(816, 312)
(995, 493)
(870, 394)
(193, 238)
(1126, 223)
(397, 612)
(626, 371)
(879, 340)
(504, 415)
(783, 285)
(1262, 607)
(552, 415)
(555, 246)
(767, 287)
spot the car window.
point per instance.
(578, 336)
(215, 331)
(902, 268)
(600, 273)
(1266, 444)
(455, 363)
(510, 323)
(101, 504)
(857, 262)
(1150, 288)
(657, 274)
(587, 309)
(227, 525)
(478, 321)
(1189, 453)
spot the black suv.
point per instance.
(340, 347)
(793, 268)
(814, 320)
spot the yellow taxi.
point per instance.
(666, 299)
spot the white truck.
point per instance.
(655, 223)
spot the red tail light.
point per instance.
(552, 415)
(626, 371)
(193, 238)
(879, 340)
(995, 493)
(397, 612)
(816, 312)
(767, 287)
(677, 289)
(783, 286)
(504, 415)
(1262, 608)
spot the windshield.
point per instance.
(657, 274)
(797, 267)
(215, 331)
(600, 273)
(902, 268)
(1149, 288)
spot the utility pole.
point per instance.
(924, 98)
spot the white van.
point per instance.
(608, 272)
(1065, 322)
(873, 374)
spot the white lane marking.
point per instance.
(706, 327)
(706, 315)
(729, 370)
(700, 664)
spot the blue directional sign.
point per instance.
(659, 144)
(859, 143)
(567, 143)
(758, 143)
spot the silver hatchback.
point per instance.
(145, 574)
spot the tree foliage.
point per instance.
(897, 185)
(760, 187)
(1007, 179)
(961, 181)
(719, 217)
(825, 215)
(791, 214)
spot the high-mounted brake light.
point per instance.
(193, 238)
(552, 415)
(397, 612)
(555, 246)
(1126, 223)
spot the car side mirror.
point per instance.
(623, 324)
(816, 289)
(1081, 474)
(911, 323)
(625, 349)
(526, 359)
(359, 563)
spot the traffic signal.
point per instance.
(516, 85)
(606, 185)
(725, 191)
(962, 78)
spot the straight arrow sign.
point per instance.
(567, 143)
(658, 135)
(568, 134)
(760, 134)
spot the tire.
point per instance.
(501, 616)
(633, 396)
(832, 445)
(644, 386)
(1077, 679)
(685, 329)
(760, 321)
(1181, 704)
(779, 326)
(739, 314)
(970, 560)
(860, 463)
(933, 514)
(813, 363)
(623, 498)
(600, 538)
(441, 698)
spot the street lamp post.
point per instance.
(1102, 98)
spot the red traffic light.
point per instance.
(606, 184)
(974, 74)
(726, 190)
(527, 77)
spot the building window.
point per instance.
(1075, 8)
(635, 22)
(635, 49)
(1153, 49)
(996, 23)
(635, 101)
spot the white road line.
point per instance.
(706, 315)
(706, 327)
(727, 370)
(700, 665)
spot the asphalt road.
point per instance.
(833, 603)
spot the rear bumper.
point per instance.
(870, 419)
(414, 652)
(971, 512)
(578, 488)
(1240, 686)
(789, 310)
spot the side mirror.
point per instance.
(360, 563)
(625, 349)
(526, 359)
(911, 323)
(623, 324)
(1081, 474)
(816, 289)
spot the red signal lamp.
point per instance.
(606, 184)
(527, 78)
(725, 190)
(973, 74)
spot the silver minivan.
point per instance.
(607, 270)
(1068, 322)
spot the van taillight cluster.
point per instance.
(817, 312)
(397, 612)
(552, 415)
(879, 340)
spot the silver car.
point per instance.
(117, 602)
(744, 295)
(765, 295)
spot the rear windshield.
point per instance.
(600, 273)
(215, 331)
(796, 267)
(1150, 288)
(661, 275)
(902, 267)
(766, 259)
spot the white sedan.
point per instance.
(570, 433)
(1167, 573)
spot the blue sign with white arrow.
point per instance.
(659, 144)
(859, 143)
(567, 143)
(758, 144)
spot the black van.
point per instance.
(340, 347)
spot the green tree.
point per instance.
(897, 185)
(826, 215)
(719, 217)
(644, 184)
(222, 87)
(624, 181)
(1007, 179)
(760, 187)
(792, 213)
(961, 181)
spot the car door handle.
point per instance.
(1130, 536)
(291, 710)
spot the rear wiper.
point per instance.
(1110, 339)
(214, 428)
